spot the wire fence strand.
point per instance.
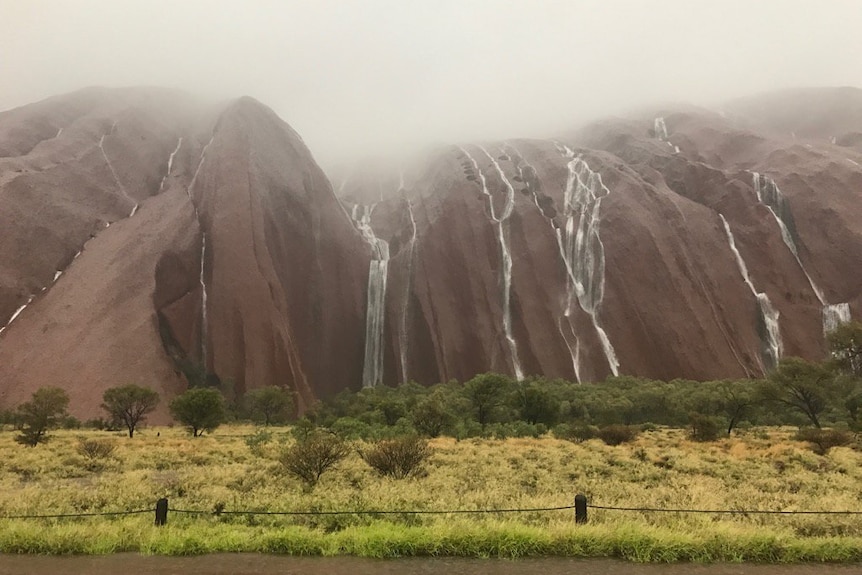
(71, 515)
(433, 512)
(723, 511)
(377, 512)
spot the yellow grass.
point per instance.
(765, 470)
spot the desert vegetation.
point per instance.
(351, 475)
(220, 473)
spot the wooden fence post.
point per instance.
(162, 511)
(580, 508)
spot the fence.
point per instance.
(580, 507)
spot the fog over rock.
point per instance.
(149, 237)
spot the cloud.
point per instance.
(376, 76)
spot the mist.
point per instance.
(381, 77)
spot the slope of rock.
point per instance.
(149, 238)
(645, 246)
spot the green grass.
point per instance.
(763, 470)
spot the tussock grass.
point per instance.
(766, 469)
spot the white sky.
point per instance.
(372, 76)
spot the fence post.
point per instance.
(162, 511)
(580, 508)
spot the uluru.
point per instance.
(154, 238)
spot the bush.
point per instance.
(430, 417)
(576, 432)
(618, 434)
(270, 405)
(46, 409)
(822, 440)
(95, 451)
(703, 428)
(129, 405)
(199, 409)
(311, 457)
(256, 442)
(398, 458)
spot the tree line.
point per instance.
(797, 392)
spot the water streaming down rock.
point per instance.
(771, 336)
(834, 315)
(564, 322)
(770, 195)
(378, 268)
(202, 276)
(120, 185)
(582, 246)
(660, 130)
(170, 164)
(403, 337)
(502, 236)
(505, 255)
(17, 313)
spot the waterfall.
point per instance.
(660, 130)
(17, 313)
(583, 250)
(403, 337)
(378, 268)
(768, 194)
(170, 164)
(201, 279)
(564, 323)
(202, 276)
(771, 339)
(505, 255)
(834, 315)
(114, 172)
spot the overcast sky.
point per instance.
(368, 76)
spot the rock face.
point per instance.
(685, 244)
(155, 240)
(149, 238)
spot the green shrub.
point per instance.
(199, 409)
(312, 457)
(95, 451)
(257, 441)
(576, 432)
(822, 440)
(45, 410)
(618, 434)
(703, 428)
(398, 458)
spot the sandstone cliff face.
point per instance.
(107, 201)
(690, 245)
(147, 238)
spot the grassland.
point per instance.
(762, 469)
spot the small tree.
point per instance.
(398, 458)
(45, 410)
(309, 458)
(430, 416)
(200, 409)
(536, 404)
(845, 343)
(800, 385)
(703, 428)
(269, 404)
(486, 392)
(735, 401)
(129, 404)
